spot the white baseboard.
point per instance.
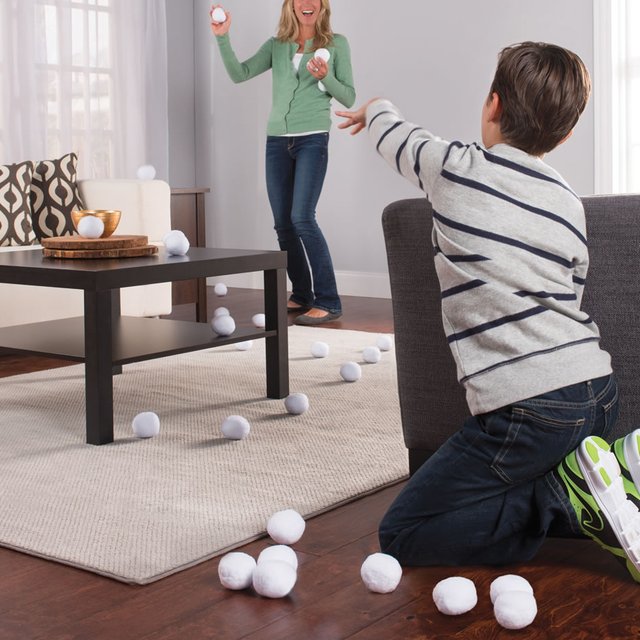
(350, 283)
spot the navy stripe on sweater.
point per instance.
(498, 322)
(473, 184)
(578, 280)
(527, 355)
(386, 133)
(401, 148)
(467, 286)
(416, 166)
(503, 239)
(546, 294)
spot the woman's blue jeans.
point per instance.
(295, 170)
(489, 494)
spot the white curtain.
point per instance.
(88, 76)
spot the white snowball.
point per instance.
(515, 609)
(220, 311)
(454, 596)
(258, 320)
(176, 243)
(286, 527)
(236, 570)
(350, 371)
(223, 325)
(381, 573)
(323, 54)
(274, 578)
(90, 227)
(321, 86)
(235, 428)
(146, 172)
(319, 349)
(220, 289)
(384, 342)
(244, 346)
(296, 403)
(371, 354)
(218, 16)
(279, 552)
(509, 582)
(146, 425)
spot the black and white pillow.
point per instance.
(15, 210)
(54, 195)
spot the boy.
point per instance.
(511, 257)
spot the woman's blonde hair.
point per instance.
(289, 28)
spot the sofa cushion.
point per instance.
(15, 212)
(54, 195)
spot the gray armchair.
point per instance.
(432, 403)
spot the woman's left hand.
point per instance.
(318, 68)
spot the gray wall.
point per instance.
(435, 60)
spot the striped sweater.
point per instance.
(511, 256)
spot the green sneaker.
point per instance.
(593, 480)
(627, 452)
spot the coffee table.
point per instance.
(104, 340)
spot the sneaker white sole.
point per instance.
(632, 455)
(601, 471)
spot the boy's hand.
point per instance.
(356, 119)
(220, 28)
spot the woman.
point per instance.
(297, 141)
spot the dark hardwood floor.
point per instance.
(582, 592)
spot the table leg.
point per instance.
(277, 347)
(98, 354)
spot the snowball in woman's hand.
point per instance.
(236, 570)
(296, 403)
(515, 609)
(381, 573)
(223, 325)
(323, 54)
(220, 311)
(235, 428)
(371, 354)
(350, 371)
(279, 552)
(176, 243)
(258, 320)
(218, 16)
(146, 425)
(506, 583)
(319, 349)
(454, 596)
(244, 346)
(286, 526)
(384, 342)
(220, 289)
(90, 227)
(274, 578)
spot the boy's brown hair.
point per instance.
(543, 89)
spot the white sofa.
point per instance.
(146, 210)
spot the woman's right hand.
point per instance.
(220, 28)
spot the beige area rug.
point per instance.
(138, 510)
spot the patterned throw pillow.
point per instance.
(15, 211)
(54, 195)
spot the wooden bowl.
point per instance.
(110, 218)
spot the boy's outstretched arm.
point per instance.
(412, 151)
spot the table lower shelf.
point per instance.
(134, 339)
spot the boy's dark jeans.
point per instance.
(488, 495)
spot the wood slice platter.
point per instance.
(78, 242)
(92, 248)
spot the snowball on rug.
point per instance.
(385, 342)
(319, 349)
(244, 346)
(274, 578)
(351, 371)
(236, 570)
(371, 355)
(296, 403)
(146, 425)
(286, 526)
(235, 428)
(381, 573)
(454, 596)
(515, 609)
(280, 552)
